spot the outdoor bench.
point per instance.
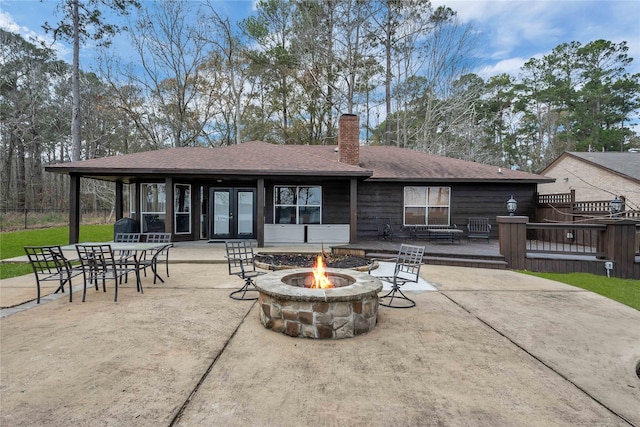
(478, 228)
(437, 232)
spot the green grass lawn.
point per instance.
(626, 291)
(12, 243)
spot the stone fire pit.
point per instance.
(288, 306)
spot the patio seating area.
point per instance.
(489, 347)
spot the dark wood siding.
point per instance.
(385, 200)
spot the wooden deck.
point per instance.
(463, 254)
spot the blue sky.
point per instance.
(511, 31)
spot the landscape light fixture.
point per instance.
(512, 205)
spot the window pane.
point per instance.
(285, 195)
(309, 196)
(309, 215)
(438, 216)
(285, 215)
(439, 196)
(153, 197)
(182, 223)
(182, 198)
(415, 196)
(153, 223)
(415, 216)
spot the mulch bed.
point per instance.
(308, 261)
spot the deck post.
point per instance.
(620, 239)
(513, 240)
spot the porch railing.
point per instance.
(577, 239)
(609, 248)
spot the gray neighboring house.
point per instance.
(299, 193)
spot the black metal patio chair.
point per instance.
(100, 264)
(241, 262)
(406, 270)
(161, 255)
(50, 265)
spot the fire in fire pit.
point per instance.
(320, 278)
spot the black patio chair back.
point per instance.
(241, 263)
(127, 237)
(406, 270)
(50, 265)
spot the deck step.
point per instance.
(464, 261)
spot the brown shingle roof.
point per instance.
(399, 164)
(249, 158)
(261, 158)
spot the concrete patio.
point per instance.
(489, 347)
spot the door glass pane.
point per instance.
(245, 212)
(203, 214)
(221, 212)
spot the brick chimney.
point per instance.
(349, 139)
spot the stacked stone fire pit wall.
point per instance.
(335, 313)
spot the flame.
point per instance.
(320, 279)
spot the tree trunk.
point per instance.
(75, 86)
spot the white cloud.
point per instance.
(512, 32)
(509, 66)
(8, 23)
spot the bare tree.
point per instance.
(165, 90)
(228, 72)
(83, 20)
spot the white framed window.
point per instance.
(297, 204)
(182, 208)
(153, 207)
(427, 205)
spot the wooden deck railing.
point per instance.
(578, 239)
(571, 247)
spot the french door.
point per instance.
(233, 213)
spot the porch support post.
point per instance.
(119, 200)
(260, 212)
(353, 210)
(168, 189)
(74, 209)
(138, 204)
(513, 240)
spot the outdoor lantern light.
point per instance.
(615, 206)
(512, 205)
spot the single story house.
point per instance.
(300, 193)
(595, 176)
